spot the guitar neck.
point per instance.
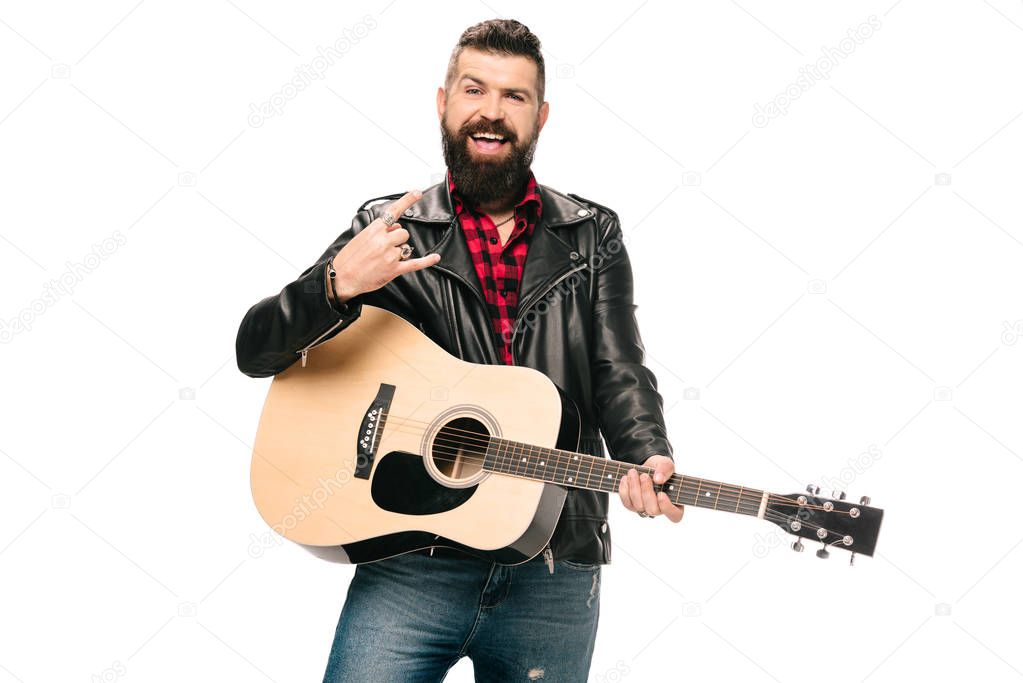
(601, 474)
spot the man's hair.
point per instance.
(502, 37)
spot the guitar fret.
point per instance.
(555, 462)
(496, 459)
(672, 488)
(502, 462)
(542, 467)
(522, 456)
(517, 454)
(602, 477)
(496, 455)
(585, 481)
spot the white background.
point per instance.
(843, 280)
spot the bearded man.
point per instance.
(495, 268)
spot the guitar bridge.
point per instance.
(370, 429)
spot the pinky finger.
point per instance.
(669, 509)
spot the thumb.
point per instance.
(418, 263)
(663, 470)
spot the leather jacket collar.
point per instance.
(550, 257)
(558, 209)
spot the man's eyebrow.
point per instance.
(517, 91)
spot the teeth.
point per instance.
(489, 136)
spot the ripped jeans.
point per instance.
(413, 616)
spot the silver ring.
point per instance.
(388, 219)
(406, 251)
(643, 514)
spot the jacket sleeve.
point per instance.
(629, 407)
(275, 330)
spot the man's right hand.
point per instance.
(372, 258)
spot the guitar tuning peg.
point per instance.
(841, 495)
(823, 552)
(852, 556)
(864, 500)
(798, 545)
(809, 489)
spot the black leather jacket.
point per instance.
(576, 324)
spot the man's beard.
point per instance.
(483, 180)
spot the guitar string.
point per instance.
(508, 459)
(594, 481)
(732, 493)
(736, 504)
(559, 455)
(708, 486)
(562, 458)
(769, 515)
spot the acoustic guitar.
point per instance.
(380, 443)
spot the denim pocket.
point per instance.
(579, 566)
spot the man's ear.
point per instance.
(542, 118)
(441, 103)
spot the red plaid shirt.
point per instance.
(498, 266)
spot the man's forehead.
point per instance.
(482, 66)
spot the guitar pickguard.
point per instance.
(401, 484)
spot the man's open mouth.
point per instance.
(488, 142)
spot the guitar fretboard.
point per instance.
(601, 474)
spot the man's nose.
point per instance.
(492, 107)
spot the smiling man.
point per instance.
(506, 271)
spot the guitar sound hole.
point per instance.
(459, 448)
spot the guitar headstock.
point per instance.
(832, 522)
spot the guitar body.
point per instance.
(375, 448)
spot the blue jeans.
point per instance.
(413, 616)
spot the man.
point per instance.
(506, 271)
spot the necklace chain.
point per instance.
(505, 220)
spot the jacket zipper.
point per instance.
(548, 552)
(519, 315)
(316, 342)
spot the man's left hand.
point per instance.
(637, 490)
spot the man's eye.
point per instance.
(518, 97)
(472, 89)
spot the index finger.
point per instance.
(397, 208)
